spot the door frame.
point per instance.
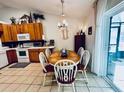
(104, 35)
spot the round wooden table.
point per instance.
(55, 56)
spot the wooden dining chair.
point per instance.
(47, 68)
(82, 66)
(47, 52)
(65, 72)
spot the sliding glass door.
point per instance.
(115, 67)
(113, 49)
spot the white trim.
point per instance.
(104, 35)
(115, 10)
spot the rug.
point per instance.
(19, 65)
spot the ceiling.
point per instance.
(72, 8)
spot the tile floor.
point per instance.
(30, 79)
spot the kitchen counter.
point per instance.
(44, 47)
(25, 54)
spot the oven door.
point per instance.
(23, 55)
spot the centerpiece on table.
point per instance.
(64, 53)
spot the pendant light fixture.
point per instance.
(63, 25)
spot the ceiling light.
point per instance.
(63, 25)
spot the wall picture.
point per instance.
(90, 30)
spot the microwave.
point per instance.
(23, 37)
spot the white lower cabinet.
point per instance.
(3, 59)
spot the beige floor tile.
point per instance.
(21, 79)
(35, 73)
(3, 86)
(35, 65)
(80, 83)
(3, 79)
(11, 88)
(13, 72)
(6, 72)
(95, 89)
(108, 90)
(20, 73)
(45, 89)
(41, 73)
(101, 82)
(92, 82)
(12, 79)
(35, 68)
(22, 88)
(48, 81)
(29, 80)
(55, 89)
(82, 89)
(68, 89)
(89, 74)
(33, 88)
(1, 76)
(38, 80)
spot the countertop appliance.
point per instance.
(22, 55)
(23, 37)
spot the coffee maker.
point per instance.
(52, 43)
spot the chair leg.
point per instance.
(58, 87)
(73, 87)
(82, 73)
(44, 79)
(86, 76)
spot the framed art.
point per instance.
(90, 30)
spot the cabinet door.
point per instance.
(6, 33)
(12, 56)
(42, 50)
(79, 42)
(38, 31)
(18, 28)
(24, 28)
(14, 32)
(2, 36)
(34, 55)
(31, 31)
(1, 28)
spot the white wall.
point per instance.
(90, 39)
(49, 24)
(51, 31)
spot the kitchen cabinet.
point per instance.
(1, 28)
(10, 31)
(38, 31)
(12, 56)
(14, 32)
(3, 59)
(34, 55)
(31, 31)
(6, 37)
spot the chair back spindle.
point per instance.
(65, 71)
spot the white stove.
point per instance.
(22, 55)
